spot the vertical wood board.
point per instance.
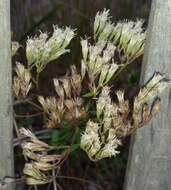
(6, 152)
(149, 165)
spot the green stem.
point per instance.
(60, 147)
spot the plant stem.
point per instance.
(37, 80)
(28, 116)
(54, 179)
(33, 104)
(126, 64)
(79, 179)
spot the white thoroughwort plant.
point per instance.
(84, 93)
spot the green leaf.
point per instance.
(89, 94)
(55, 137)
(74, 147)
(135, 77)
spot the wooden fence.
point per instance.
(149, 165)
(6, 147)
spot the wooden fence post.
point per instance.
(149, 165)
(6, 148)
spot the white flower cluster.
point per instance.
(41, 49)
(110, 146)
(103, 26)
(96, 144)
(113, 43)
(98, 62)
(90, 141)
(129, 36)
(99, 139)
(116, 120)
(132, 38)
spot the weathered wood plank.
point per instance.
(149, 165)
(6, 153)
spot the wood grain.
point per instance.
(149, 165)
(6, 152)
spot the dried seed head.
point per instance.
(50, 158)
(67, 86)
(54, 109)
(40, 161)
(155, 109)
(74, 109)
(15, 47)
(120, 96)
(145, 113)
(75, 82)
(35, 176)
(59, 89)
(34, 147)
(123, 105)
(22, 82)
(43, 166)
(153, 87)
(27, 133)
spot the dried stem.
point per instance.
(54, 179)
(80, 179)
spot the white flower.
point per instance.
(110, 147)
(100, 21)
(109, 52)
(103, 74)
(90, 141)
(103, 100)
(106, 32)
(40, 49)
(112, 70)
(109, 150)
(84, 45)
(132, 38)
